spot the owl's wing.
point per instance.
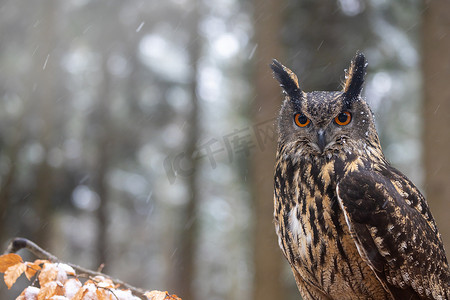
(395, 233)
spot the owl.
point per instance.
(350, 225)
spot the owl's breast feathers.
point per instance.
(353, 226)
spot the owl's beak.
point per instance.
(321, 140)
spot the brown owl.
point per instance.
(350, 225)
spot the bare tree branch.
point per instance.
(22, 243)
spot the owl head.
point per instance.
(321, 123)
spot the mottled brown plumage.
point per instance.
(350, 225)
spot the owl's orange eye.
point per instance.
(343, 118)
(301, 120)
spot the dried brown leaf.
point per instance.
(42, 261)
(48, 273)
(13, 272)
(29, 293)
(8, 260)
(80, 294)
(101, 294)
(31, 270)
(155, 295)
(71, 287)
(48, 290)
(158, 295)
(105, 283)
(67, 269)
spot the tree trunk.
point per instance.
(8, 183)
(268, 261)
(46, 91)
(185, 273)
(104, 145)
(436, 138)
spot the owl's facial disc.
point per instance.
(321, 140)
(320, 122)
(324, 112)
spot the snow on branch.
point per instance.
(59, 280)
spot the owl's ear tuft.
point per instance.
(354, 78)
(287, 79)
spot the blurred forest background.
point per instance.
(140, 133)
